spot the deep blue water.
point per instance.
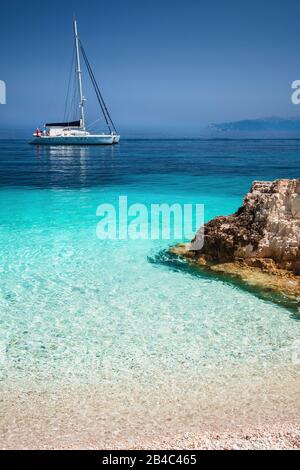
(232, 164)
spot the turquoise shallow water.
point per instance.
(79, 309)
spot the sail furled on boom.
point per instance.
(64, 124)
(107, 117)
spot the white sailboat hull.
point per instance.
(100, 139)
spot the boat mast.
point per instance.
(81, 102)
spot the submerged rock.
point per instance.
(260, 243)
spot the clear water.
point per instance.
(80, 310)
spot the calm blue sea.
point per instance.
(78, 308)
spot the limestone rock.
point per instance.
(259, 244)
(266, 227)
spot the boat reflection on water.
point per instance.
(74, 166)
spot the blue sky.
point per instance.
(167, 66)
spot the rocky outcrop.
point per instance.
(263, 236)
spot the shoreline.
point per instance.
(278, 436)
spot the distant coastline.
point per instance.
(261, 128)
(270, 127)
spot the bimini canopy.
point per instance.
(64, 124)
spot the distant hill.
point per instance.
(266, 127)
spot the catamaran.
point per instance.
(74, 132)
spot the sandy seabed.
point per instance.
(242, 410)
